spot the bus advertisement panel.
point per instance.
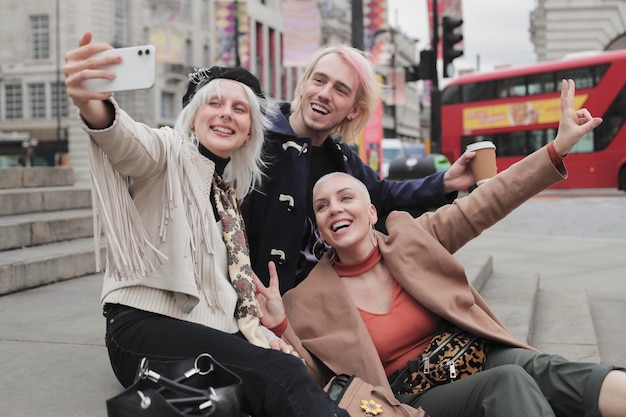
(519, 109)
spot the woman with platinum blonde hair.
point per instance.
(178, 281)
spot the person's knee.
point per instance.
(511, 375)
(513, 392)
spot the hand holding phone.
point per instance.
(135, 72)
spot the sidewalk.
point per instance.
(55, 362)
(54, 359)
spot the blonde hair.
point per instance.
(358, 184)
(367, 95)
(244, 172)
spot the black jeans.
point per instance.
(274, 383)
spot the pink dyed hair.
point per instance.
(368, 92)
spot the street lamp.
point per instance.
(58, 58)
(357, 24)
(236, 34)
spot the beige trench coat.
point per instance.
(325, 325)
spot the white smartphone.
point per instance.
(135, 72)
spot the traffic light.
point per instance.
(423, 71)
(450, 38)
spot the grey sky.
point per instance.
(496, 31)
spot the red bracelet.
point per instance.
(554, 156)
(280, 328)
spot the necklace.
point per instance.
(364, 265)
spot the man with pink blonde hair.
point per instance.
(366, 98)
(309, 138)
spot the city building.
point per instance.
(560, 28)
(32, 91)
(38, 123)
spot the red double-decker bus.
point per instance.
(519, 109)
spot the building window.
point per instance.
(58, 91)
(188, 53)
(274, 65)
(205, 14)
(206, 58)
(167, 105)
(13, 101)
(260, 62)
(40, 35)
(37, 100)
(120, 37)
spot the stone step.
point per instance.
(513, 298)
(34, 229)
(21, 177)
(34, 266)
(564, 325)
(511, 295)
(43, 199)
(552, 320)
(478, 268)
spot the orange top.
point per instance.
(403, 333)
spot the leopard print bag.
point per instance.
(453, 354)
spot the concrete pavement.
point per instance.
(54, 362)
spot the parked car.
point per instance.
(416, 166)
(414, 149)
(392, 149)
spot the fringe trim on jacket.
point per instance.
(131, 251)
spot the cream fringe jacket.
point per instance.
(165, 252)
(325, 326)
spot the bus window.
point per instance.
(612, 123)
(451, 95)
(517, 87)
(598, 73)
(518, 143)
(466, 140)
(541, 83)
(582, 76)
(479, 91)
(585, 144)
(511, 87)
(503, 144)
(536, 139)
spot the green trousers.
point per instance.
(520, 383)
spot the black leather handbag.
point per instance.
(189, 387)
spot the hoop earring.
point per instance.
(319, 249)
(372, 236)
(332, 258)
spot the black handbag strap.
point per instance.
(203, 365)
(180, 388)
(338, 387)
(172, 384)
(397, 381)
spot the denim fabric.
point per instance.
(274, 384)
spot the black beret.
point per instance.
(203, 76)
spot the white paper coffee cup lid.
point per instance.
(480, 145)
